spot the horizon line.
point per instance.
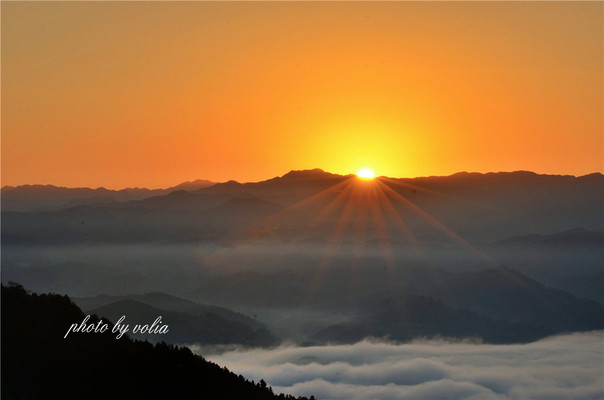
(2, 187)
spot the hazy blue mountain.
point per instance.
(178, 200)
(189, 322)
(572, 260)
(206, 328)
(411, 317)
(574, 237)
(497, 294)
(176, 217)
(50, 197)
(509, 295)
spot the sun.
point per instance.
(366, 173)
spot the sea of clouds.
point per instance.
(559, 367)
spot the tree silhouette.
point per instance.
(38, 363)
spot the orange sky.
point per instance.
(152, 94)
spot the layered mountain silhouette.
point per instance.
(496, 304)
(511, 256)
(50, 197)
(577, 236)
(471, 205)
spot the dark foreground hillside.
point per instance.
(38, 363)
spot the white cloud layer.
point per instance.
(559, 367)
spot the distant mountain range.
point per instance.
(477, 207)
(189, 322)
(576, 236)
(423, 317)
(50, 197)
(510, 256)
(572, 260)
(495, 304)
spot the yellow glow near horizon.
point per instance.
(366, 173)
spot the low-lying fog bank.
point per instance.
(558, 367)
